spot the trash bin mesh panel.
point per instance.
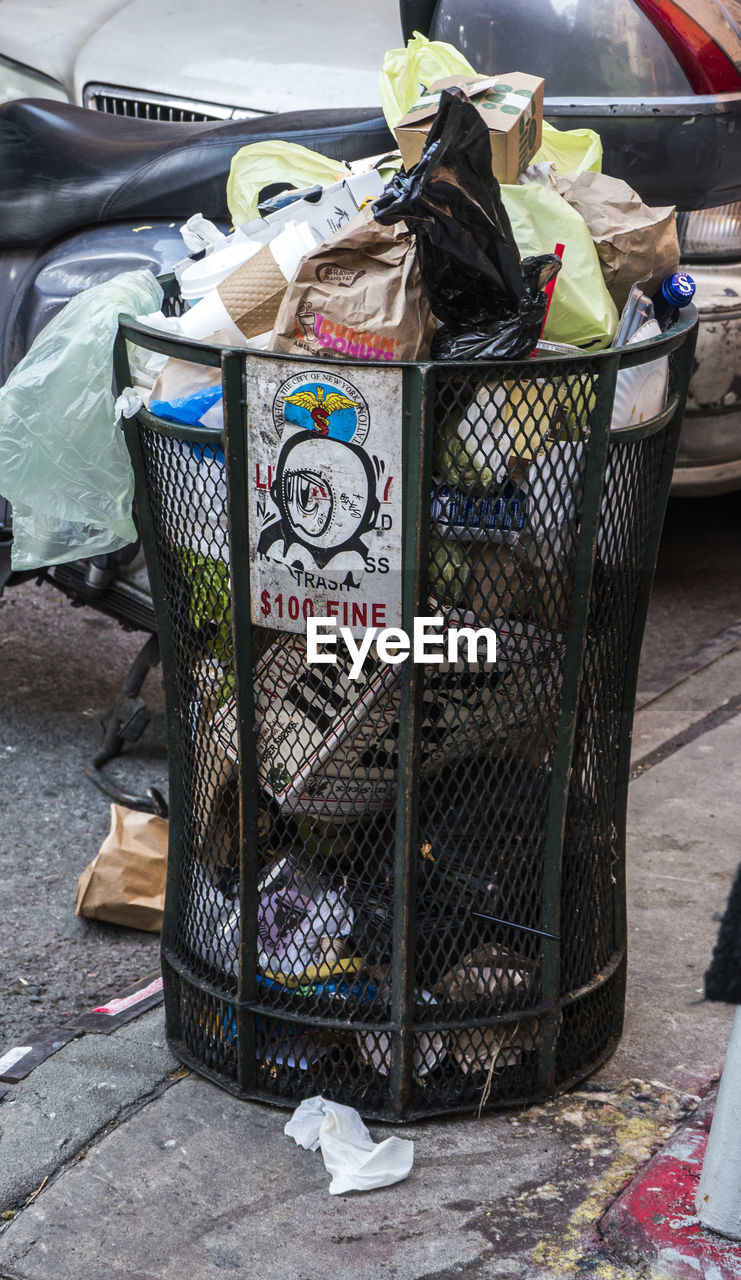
(508, 464)
(188, 502)
(501, 555)
(590, 1028)
(507, 471)
(592, 841)
(508, 468)
(208, 1029)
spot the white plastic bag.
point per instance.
(354, 1160)
(63, 460)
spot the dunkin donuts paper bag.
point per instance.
(358, 295)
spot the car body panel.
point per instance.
(680, 151)
(705, 481)
(47, 34)
(722, 21)
(225, 52)
(673, 146)
(602, 46)
(51, 276)
(709, 458)
(716, 386)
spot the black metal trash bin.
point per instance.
(404, 892)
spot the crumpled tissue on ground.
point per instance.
(350, 1155)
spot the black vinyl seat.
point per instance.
(65, 167)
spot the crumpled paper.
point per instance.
(634, 241)
(350, 1155)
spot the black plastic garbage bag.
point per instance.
(510, 334)
(490, 303)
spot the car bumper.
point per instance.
(709, 457)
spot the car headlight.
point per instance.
(17, 81)
(711, 233)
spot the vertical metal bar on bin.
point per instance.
(237, 478)
(145, 522)
(417, 393)
(606, 368)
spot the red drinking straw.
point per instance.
(548, 291)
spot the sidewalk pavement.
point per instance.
(117, 1163)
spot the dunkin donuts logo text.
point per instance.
(357, 344)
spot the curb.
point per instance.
(654, 1222)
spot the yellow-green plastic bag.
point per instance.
(262, 163)
(571, 150)
(421, 63)
(582, 311)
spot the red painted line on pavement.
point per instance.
(655, 1218)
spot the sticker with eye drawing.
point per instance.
(325, 494)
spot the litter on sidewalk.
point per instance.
(350, 1155)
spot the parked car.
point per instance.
(660, 80)
(226, 59)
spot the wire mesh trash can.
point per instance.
(402, 886)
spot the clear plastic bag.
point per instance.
(63, 460)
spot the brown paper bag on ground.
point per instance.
(125, 882)
(634, 241)
(358, 295)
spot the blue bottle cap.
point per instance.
(678, 289)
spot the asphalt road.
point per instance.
(60, 666)
(697, 587)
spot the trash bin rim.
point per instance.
(212, 353)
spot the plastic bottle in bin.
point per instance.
(478, 518)
(675, 292)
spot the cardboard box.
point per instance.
(511, 106)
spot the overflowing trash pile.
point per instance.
(447, 250)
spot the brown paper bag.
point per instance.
(125, 882)
(635, 242)
(358, 295)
